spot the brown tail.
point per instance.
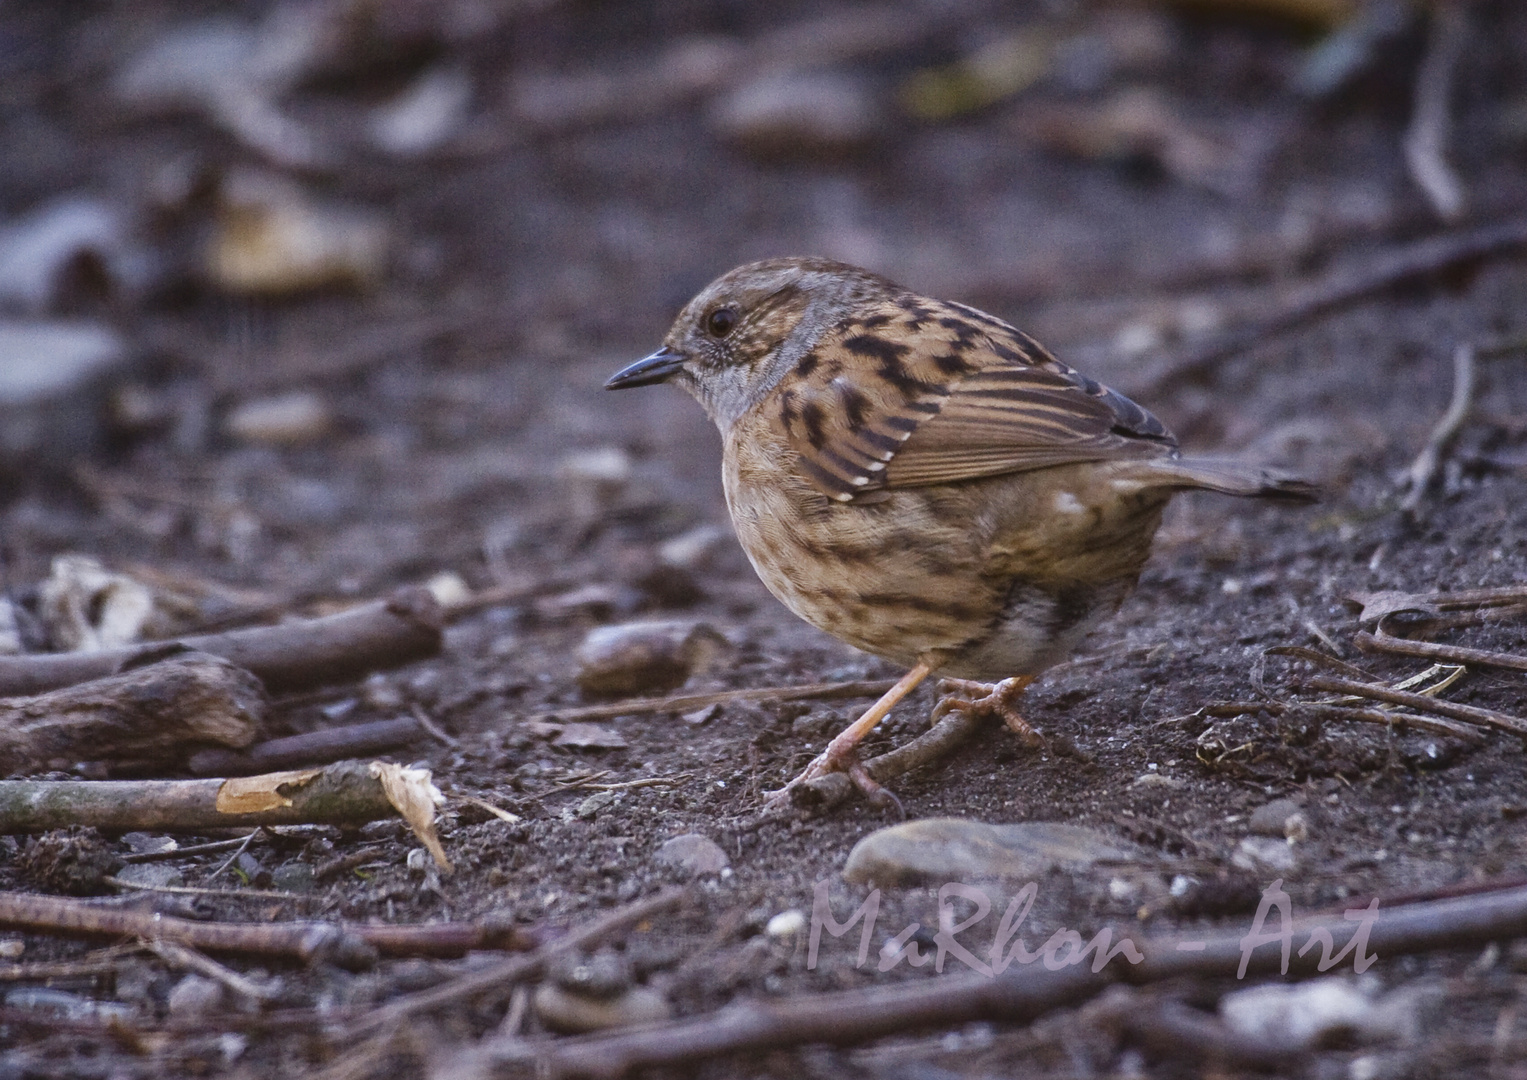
(1232, 478)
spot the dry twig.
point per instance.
(1017, 996)
(1424, 469)
(1429, 650)
(342, 794)
(289, 656)
(1341, 286)
(310, 748)
(1469, 714)
(501, 977)
(689, 702)
(292, 940)
(1386, 718)
(1426, 141)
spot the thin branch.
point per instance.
(1384, 717)
(1019, 995)
(292, 940)
(189, 959)
(952, 730)
(502, 976)
(310, 748)
(293, 655)
(1424, 469)
(1428, 650)
(344, 793)
(1426, 141)
(689, 702)
(213, 847)
(1340, 287)
(1469, 714)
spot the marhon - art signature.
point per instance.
(1066, 947)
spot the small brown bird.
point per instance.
(921, 479)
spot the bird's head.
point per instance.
(737, 338)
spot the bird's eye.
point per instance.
(719, 323)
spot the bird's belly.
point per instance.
(913, 578)
(891, 579)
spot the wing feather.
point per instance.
(918, 392)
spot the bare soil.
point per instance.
(532, 260)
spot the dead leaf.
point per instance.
(1378, 605)
(414, 796)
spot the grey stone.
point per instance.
(645, 657)
(1272, 818)
(1264, 854)
(156, 875)
(294, 877)
(1310, 1014)
(791, 115)
(939, 850)
(52, 386)
(195, 995)
(693, 852)
(563, 1010)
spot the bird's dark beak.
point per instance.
(659, 367)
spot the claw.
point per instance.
(989, 699)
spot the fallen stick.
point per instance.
(310, 748)
(1429, 650)
(1341, 286)
(1469, 714)
(1423, 470)
(952, 730)
(341, 794)
(1017, 996)
(147, 715)
(690, 702)
(1170, 1029)
(504, 975)
(1426, 140)
(294, 655)
(304, 941)
(1384, 717)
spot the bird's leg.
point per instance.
(840, 753)
(989, 699)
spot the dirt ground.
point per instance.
(1147, 177)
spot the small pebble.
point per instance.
(1259, 853)
(195, 995)
(156, 875)
(590, 807)
(692, 852)
(1271, 819)
(937, 850)
(691, 549)
(589, 737)
(52, 393)
(1304, 1015)
(425, 114)
(645, 657)
(284, 420)
(293, 877)
(786, 925)
(563, 1010)
(799, 116)
(43, 252)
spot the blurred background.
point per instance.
(311, 298)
